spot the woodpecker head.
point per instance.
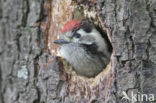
(84, 48)
(81, 32)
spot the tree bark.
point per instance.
(30, 72)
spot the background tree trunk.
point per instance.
(29, 72)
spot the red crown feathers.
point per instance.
(71, 25)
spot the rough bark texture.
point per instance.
(30, 74)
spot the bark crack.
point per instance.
(25, 11)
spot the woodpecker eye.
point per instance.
(77, 35)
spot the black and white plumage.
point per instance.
(85, 49)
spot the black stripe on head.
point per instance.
(86, 26)
(93, 50)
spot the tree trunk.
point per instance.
(30, 71)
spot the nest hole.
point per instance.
(105, 32)
(80, 84)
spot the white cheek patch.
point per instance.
(82, 32)
(75, 39)
(98, 38)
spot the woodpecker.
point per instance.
(84, 48)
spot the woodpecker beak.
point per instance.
(61, 41)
